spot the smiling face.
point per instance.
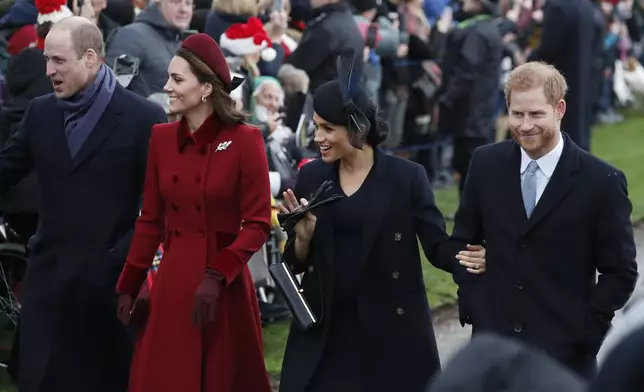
(333, 140)
(183, 87)
(534, 122)
(270, 96)
(68, 72)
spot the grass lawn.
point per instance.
(621, 145)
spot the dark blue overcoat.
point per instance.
(71, 340)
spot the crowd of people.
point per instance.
(190, 117)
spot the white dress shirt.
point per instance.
(546, 163)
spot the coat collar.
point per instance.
(206, 134)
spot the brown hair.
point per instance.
(537, 74)
(222, 104)
(236, 7)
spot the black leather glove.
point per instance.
(288, 220)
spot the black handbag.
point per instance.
(284, 279)
(287, 283)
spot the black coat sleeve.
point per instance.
(468, 229)
(430, 228)
(313, 49)
(16, 159)
(615, 258)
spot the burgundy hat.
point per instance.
(208, 51)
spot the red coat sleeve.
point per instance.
(148, 231)
(254, 206)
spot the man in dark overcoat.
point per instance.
(87, 143)
(551, 216)
(568, 36)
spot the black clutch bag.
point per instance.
(290, 288)
(284, 279)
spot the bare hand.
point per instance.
(278, 25)
(402, 50)
(305, 228)
(473, 259)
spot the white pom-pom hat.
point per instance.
(52, 11)
(248, 38)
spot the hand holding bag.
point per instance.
(284, 278)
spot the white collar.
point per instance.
(546, 163)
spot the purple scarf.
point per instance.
(83, 110)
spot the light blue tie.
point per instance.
(529, 188)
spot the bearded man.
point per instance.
(87, 143)
(550, 216)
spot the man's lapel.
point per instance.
(561, 183)
(109, 120)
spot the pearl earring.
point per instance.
(203, 98)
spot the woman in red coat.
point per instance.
(207, 196)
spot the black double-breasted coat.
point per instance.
(70, 338)
(394, 316)
(540, 285)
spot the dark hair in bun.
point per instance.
(327, 103)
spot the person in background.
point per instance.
(207, 197)
(93, 10)
(87, 144)
(225, 13)
(153, 39)
(381, 40)
(332, 32)
(471, 67)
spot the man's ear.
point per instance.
(560, 109)
(91, 58)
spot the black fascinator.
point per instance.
(349, 76)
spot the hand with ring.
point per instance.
(473, 259)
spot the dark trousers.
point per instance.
(463, 149)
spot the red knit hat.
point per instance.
(206, 48)
(248, 38)
(52, 11)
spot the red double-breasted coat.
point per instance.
(207, 196)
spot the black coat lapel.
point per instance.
(379, 190)
(108, 121)
(560, 184)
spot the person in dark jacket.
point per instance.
(90, 170)
(622, 370)
(331, 32)
(471, 67)
(567, 43)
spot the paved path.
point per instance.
(451, 337)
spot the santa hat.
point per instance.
(52, 11)
(250, 38)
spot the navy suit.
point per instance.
(540, 283)
(71, 339)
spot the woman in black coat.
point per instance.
(360, 258)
